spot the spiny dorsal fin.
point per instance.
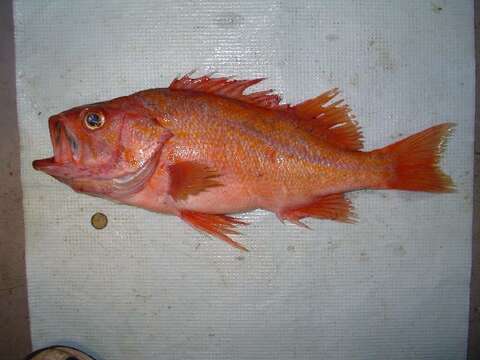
(230, 88)
(330, 121)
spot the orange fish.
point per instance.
(202, 148)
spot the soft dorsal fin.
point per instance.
(330, 121)
(230, 88)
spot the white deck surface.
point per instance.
(393, 286)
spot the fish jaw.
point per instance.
(43, 164)
(81, 180)
(72, 176)
(54, 168)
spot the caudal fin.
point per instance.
(415, 161)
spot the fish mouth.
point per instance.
(65, 150)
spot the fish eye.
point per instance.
(94, 120)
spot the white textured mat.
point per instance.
(393, 286)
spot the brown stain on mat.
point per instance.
(380, 48)
(229, 20)
(437, 9)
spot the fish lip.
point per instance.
(63, 172)
(51, 167)
(43, 164)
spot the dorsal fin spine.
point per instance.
(324, 119)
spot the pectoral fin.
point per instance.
(190, 178)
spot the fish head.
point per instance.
(106, 149)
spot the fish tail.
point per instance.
(414, 161)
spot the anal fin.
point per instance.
(332, 207)
(217, 225)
